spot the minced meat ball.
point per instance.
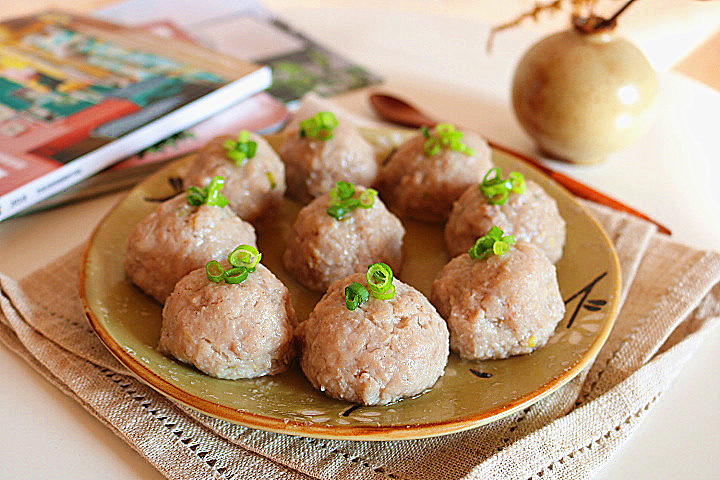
(255, 188)
(378, 353)
(178, 238)
(230, 331)
(313, 166)
(423, 186)
(321, 249)
(501, 306)
(532, 217)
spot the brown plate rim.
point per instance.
(387, 432)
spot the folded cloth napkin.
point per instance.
(671, 299)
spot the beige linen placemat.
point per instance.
(672, 299)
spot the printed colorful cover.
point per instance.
(246, 29)
(260, 113)
(70, 85)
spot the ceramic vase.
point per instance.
(584, 93)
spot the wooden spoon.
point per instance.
(396, 110)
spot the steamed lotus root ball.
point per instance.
(230, 331)
(254, 175)
(431, 170)
(499, 306)
(531, 216)
(318, 154)
(322, 248)
(177, 238)
(380, 352)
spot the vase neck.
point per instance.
(594, 28)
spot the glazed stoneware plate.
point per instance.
(468, 395)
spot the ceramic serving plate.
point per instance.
(468, 395)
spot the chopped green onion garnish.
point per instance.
(337, 212)
(214, 197)
(501, 248)
(367, 198)
(355, 294)
(497, 190)
(236, 275)
(344, 190)
(342, 201)
(385, 295)
(379, 277)
(243, 260)
(319, 127)
(446, 136)
(492, 243)
(196, 196)
(209, 195)
(380, 280)
(271, 179)
(245, 256)
(517, 180)
(242, 149)
(215, 271)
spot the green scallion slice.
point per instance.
(355, 295)
(319, 127)
(387, 295)
(209, 195)
(379, 277)
(271, 179)
(236, 275)
(344, 190)
(367, 198)
(337, 212)
(497, 190)
(215, 271)
(342, 201)
(243, 260)
(495, 242)
(517, 181)
(245, 256)
(501, 248)
(496, 173)
(214, 197)
(446, 136)
(196, 197)
(242, 149)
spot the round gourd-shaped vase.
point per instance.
(584, 93)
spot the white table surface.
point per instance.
(47, 435)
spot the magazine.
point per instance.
(78, 94)
(260, 113)
(245, 29)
